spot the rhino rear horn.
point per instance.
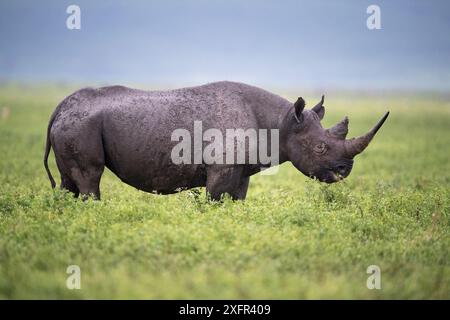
(357, 145)
(340, 130)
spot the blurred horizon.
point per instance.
(293, 45)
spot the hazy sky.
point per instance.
(291, 44)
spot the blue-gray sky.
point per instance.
(290, 44)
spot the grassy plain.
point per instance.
(292, 238)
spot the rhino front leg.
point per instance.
(241, 191)
(223, 180)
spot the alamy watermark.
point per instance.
(239, 146)
(373, 21)
(73, 21)
(374, 280)
(74, 279)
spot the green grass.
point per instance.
(292, 238)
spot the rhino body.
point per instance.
(129, 131)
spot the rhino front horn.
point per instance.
(357, 145)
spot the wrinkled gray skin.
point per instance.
(129, 131)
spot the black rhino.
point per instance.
(130, 132)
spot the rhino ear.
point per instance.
(299, 105)
(319, 108)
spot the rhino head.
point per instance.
(324, 154)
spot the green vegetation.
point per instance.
(292, 238)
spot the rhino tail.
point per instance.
(48, 146)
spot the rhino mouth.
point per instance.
(337, 176)
(333, 176)
(329, 176)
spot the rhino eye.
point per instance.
(320, 148)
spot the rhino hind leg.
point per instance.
(81, 177)
(81, 163)
(226, 180)
(66, 182)
(87, 181)
(69, 185)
